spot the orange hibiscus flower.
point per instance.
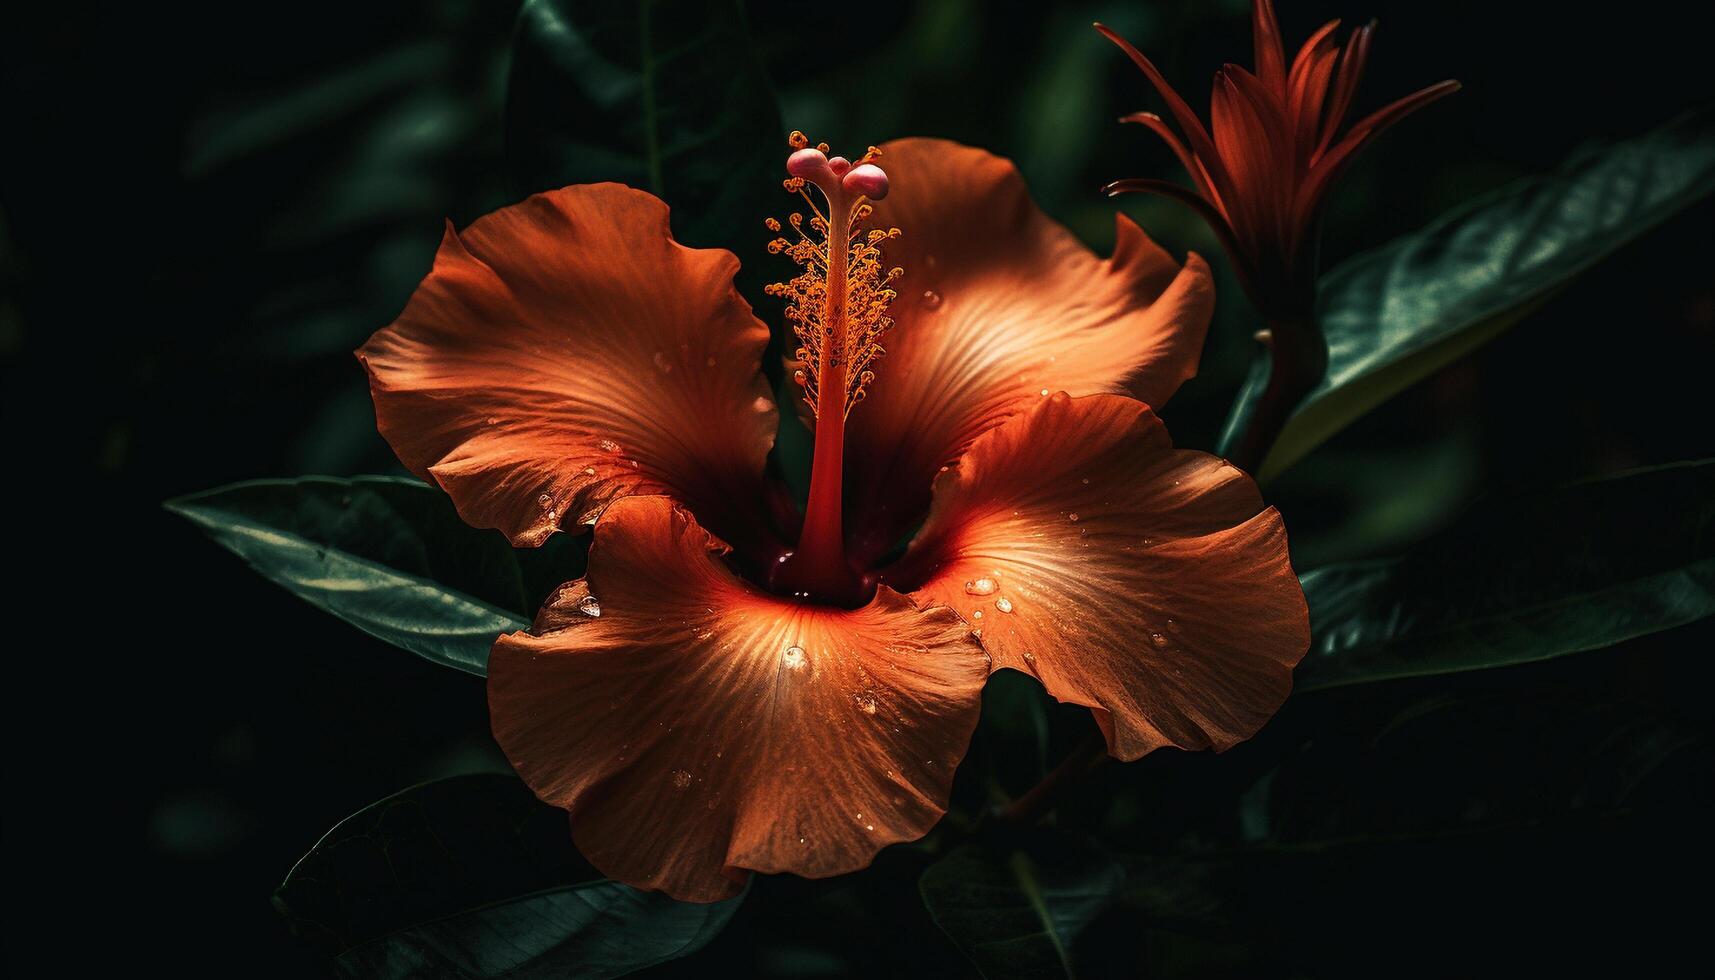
(729, 691)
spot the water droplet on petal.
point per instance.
(662, 364)
(1085, 481)
(866, 704)
(1043, 393)
(546, 500)
(931, 298)
(977, 614)
(590, 606)
(493, 421)
(762, 403)
(1029, 658)
(1158, 639)
(589, 471)
(1072, 517)
(793, 658)
(981, 586)
(608, 446)
(1003, 604)
(681, 779)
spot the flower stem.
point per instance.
(1298, 358)
(1045, 795)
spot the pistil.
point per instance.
(837, 307)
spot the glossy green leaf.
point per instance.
(472, 876)
(665, 95)
(1020, 912)
(1580, 568)
(1394, 315)
(389, 556)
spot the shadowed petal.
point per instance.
(696, 727)
(1148, 583)
(566, 351)
(997, 303)
(1270, 51)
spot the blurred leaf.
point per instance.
(665, 95)
(1580, 568)
(1019, 911)
(474, 877)
(1502, 901)
(317, 179)
(1397, 314)
(388, 555)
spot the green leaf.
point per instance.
(1019, 912)
(474, 877)
(665, 95)
(390, 556)
(1399, 313)
(1580, 568)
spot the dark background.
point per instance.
(205, 208)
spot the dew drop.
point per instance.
(793, 658)
(681, 779)
(1072, 517)
(709, 361)
(1085, 481)
(1003, 604)
(590, 606)
(1043, 393)
(493, 421)
(931, 298)
(762, 403)
(662, 364)
(981, 586)
(545, 500)
(589, 471)
(1030, 658)
(977, 614)
(1158, 639)
(608, 446)
(866, 704)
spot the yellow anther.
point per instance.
(838, 335)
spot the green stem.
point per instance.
(1298, 358)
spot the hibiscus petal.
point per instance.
(999, 302)
(696, 726)
(566, 351)
(1145, 582)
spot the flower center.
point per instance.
(838, 309)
